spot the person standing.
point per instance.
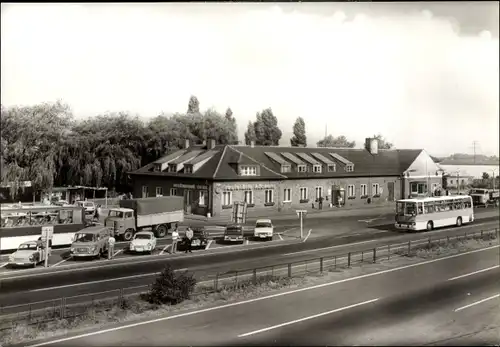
(97, 213)
(175, 239)
(111, 247)
(189, 240)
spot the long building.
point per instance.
(211, 177)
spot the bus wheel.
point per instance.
(459, 221)
(430, 226)
(128, 234)
(161, 231)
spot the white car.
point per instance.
(264, 229)
(143, 241)
(89, 206)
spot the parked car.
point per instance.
(90, 242)
(199, 241)
(264, 229)
(143, 241)
(89, 206)
(29, 253)
(234, 233)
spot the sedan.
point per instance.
(143, 241)
(264, 229)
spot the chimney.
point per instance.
(186, 143)
(211, 144)
(252, 144)
(371, 145)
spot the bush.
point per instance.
(171, 287)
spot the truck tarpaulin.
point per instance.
(146, 206)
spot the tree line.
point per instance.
(46, 145)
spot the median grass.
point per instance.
(103, 314)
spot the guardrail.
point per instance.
(88, 304)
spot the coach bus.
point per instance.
(23, 224)
(433, 212)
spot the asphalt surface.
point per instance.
(442, 301)
(85, 285)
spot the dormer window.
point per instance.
(331, 168)
(157, 167)
(286, 168)
(188, 169)
(349, 168)
(248, 170)
(172, 167)
(317, 168)
(302, 168)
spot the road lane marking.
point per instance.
(3, 265)
(308, 234)
(165, 249)
(119, 251)
(208, 244)
(474, 273)
(246, 242)
(331, 247)
(62, 261)
(477, 303)
(281, 238)
(192, 313)
(307, 318)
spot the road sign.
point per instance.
(299, 212)
(47, 232)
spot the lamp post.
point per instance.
(493, 171)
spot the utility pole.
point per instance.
(474, 143)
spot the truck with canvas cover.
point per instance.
(157, 213)
(485, 197)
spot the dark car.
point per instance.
(199, 240)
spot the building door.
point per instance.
(188, 200)
(390, 190)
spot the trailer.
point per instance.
(158, 214)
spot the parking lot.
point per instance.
(61, 256)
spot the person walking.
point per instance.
(189, 240)
(111, 247)
(97, 213)
(175, 239)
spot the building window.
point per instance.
(248, 171)
(319, 192)
(375, 189)
(227, 198)
(451, 181)
(145, 191)
(418, 188)
(364, 190)
(317, 168)
(302, 168)
(159, 191)
(201, 198)
(188, 169)
(173, 191)
(157, 167)
(172, 167)
(286, 168)
(331, 168)
(249, 197)
(349, 168)
(269, 196)
(287, 195)
(350, 191)
(303, 194)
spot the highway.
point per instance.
(24, 288)
(453, 300)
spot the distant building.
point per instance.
(458, 181)
(211, 177)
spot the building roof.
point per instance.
(223, 164)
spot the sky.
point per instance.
(424, 75)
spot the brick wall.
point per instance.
(310, 184)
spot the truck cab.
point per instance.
(122, 221)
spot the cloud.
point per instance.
(412, 77)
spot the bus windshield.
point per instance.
(406, 208)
